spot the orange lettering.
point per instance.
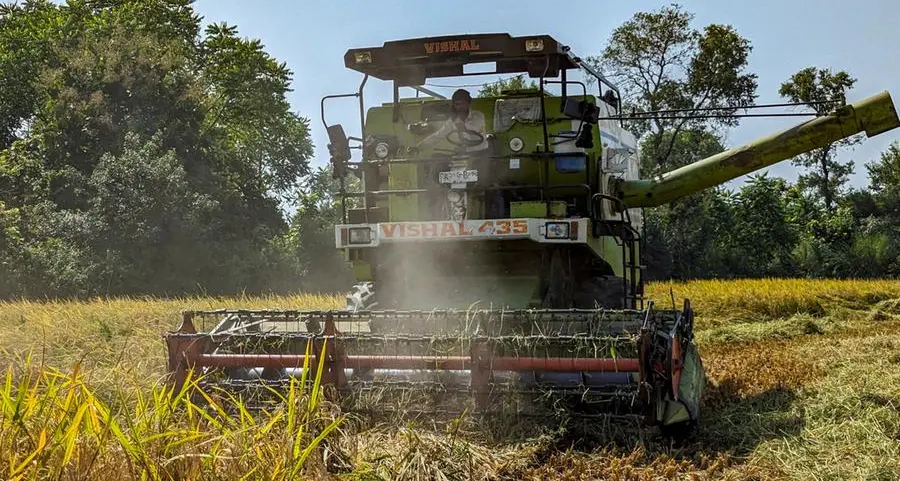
(486, 226)
(462, 229)
(389, 229)
(448, 230)
(451, 46)
(520, 226)
(429, 230)
(504, 227)
(414, 230)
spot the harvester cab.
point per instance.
(496, 241)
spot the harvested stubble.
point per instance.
(805, 384)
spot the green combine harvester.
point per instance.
(497, 244)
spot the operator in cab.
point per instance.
(464, 123)
(463, 120)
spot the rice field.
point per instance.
(804, 384)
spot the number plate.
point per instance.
(458, 176)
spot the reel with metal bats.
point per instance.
(541, 362)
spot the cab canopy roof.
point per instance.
(412, 61)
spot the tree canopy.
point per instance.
(517, 82)
(142, 152)
(822, 91)
(661, 62)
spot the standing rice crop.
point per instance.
(53, 426)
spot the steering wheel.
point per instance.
(465, 143)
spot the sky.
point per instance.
(311, 37)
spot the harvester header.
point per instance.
(497, 245)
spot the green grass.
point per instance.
(804, 384)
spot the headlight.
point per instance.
(556, 230)
(516, 144)
(360, 235)
(381, 150)
(534, 45)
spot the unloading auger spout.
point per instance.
(873, 115)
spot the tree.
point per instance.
(248, 107)
(684, 147)
(761, 232)
(877, 242)
(826, 245)
(685, 239)
(884, 180)
(821, 90)
(104, 84)
(25, 34)
(146, 221)
(683, 236)
(311, 237)
(143, 153)
(660, 62)
(494, 89)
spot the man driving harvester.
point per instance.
(464, 120)
(469, 125)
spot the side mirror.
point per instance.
(339, 149)
(610, 98)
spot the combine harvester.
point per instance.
(499, 261)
